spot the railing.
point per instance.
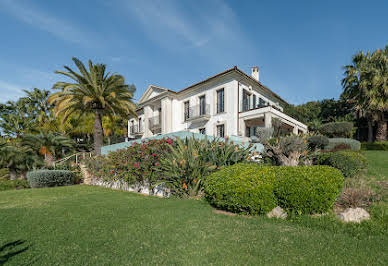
(154, 122)
(247, 105)
(197, 111)
(135, 129)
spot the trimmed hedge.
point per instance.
(308, 189)
(333, 142)
(50, 178)
(13, 184)
(257, 189)
(337, 129)
(377, 146)
(350, 163)
(246, 188)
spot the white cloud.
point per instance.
(185, 24)
(60, 28)
(10, 91)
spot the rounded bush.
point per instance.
(333, 142)
(318, 142)
(6, 184)
(307, 189)
(337, 129)
(350, 163)
(50, 178)
(243, 187)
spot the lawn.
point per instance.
(85, 225)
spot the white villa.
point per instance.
(230, 103)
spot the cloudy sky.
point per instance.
(300, 46)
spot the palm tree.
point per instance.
(93, 91)
(48, 145)
(366, 85)
(18, 159)
(377, 90)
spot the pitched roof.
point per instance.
(234, 69)
(237, 70)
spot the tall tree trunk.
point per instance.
(370, 131)
(98, 133)
(12, 173)
(381, 133)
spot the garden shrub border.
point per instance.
(50, 178)
(255, 189)
(333, 142)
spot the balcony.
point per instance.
(136, 130)
(154, 122)
(247, 105)
(197, 113)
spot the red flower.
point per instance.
(137, 165)
(156, 164)
(154, 154)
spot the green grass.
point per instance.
(85, 225)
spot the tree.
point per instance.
(93, 91)
(366, 86)
(38, 105)
(48, 145)
(18, 159)
(15, 119)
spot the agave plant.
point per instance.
(186, 165)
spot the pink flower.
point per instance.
(137, 165)
(154, 154)
(156, 164)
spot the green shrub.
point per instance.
(307, 189)
(257, 189)
(317, 142)
(350, 163)
(333, 142)
(246, 188)
(13, 184)
(379, 146)
(337, 129)
(50, 178)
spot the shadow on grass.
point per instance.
(12, 249)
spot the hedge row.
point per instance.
(50, 178)
(13, 184)
(379, 146)
(256, 189)
(350, 163)
(355, 145)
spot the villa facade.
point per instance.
(230, 103)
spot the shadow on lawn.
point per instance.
(11, 249)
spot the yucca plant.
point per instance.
(185, 166)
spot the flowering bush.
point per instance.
(134, 165)
(180, 165)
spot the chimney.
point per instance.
(255, 73)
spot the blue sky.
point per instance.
(300, 46)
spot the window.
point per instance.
(247, 132)
(261, 102)
(246, 101)
(202, 105)
(254, 101)
(220, 101)
(221, 131)
(140, 125)
(187, 110)
(202, 131)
